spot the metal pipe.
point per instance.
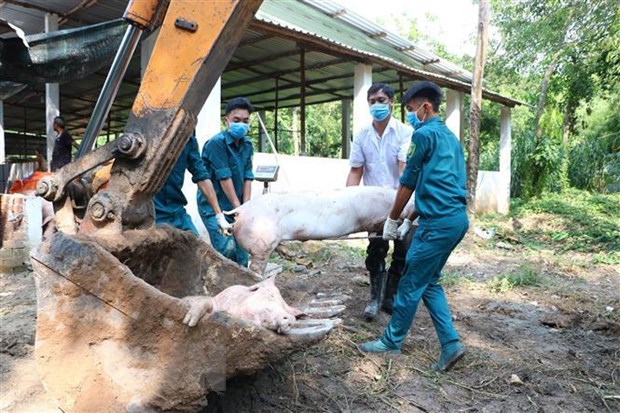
(110, 88)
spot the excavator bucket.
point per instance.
(124, 322)
(110, 331)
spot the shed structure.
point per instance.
(295, 53)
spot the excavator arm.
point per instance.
(113, 291)
(195, 42)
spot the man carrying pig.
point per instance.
(228, 159)
(378, 154)
(436, 172)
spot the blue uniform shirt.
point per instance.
(224, 159)
(436, 171)
(170, 199)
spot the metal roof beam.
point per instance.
(244, 64)
(255, 40)
(297, 96)
(281, 73)
(294, 105)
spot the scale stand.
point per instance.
(266, 174)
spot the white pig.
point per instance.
(263, 222)
(260, 304)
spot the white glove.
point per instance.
(404, 228)
(389, 229)
(224, 225)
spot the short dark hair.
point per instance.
(380, 87)
(59, 121)
(238, 103)
(427, 90)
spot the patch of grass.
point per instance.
(580, 221)
(610, 258)
(354, 252)
(523, 276)
(452, 278)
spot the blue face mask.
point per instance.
(238, 129)
(412, 118)
(380, 111)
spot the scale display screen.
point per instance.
(266, 173)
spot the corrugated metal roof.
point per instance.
(334, 40)
(358, 33)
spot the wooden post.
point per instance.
(275, 116)
(302, 105)
(346, 128)
(475, 112)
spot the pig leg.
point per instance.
(261, 251)
(259, 262)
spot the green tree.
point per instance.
(559, 43)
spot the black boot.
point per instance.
(390, 292)
(377, 286)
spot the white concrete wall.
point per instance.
(209, 124)
(22, 218)
(488, 192)
(296, 174)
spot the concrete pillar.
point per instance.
(52, 96)
(455, 113)
(362, 80)
(210, 116)
(2, 156)
(505, 146)
(346, 128)
(209, 124)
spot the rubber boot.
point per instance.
(390, 291)
(377, 287)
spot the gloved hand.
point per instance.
(224, 225)
(390, 229)
(404, 228)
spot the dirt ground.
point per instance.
(542, 331)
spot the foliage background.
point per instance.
(569, 139)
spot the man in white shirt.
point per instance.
(378, 155)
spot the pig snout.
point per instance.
(277, 321)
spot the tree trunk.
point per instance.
(473, 160)
(544, 88)
(537, 172)
(566, 127)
